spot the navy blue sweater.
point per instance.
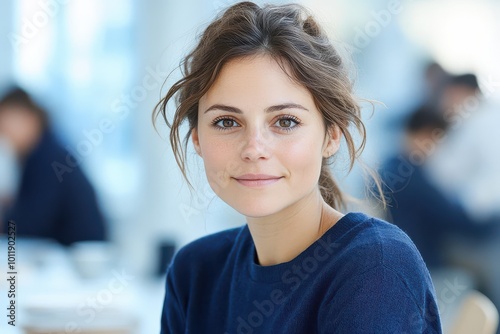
(363, 275)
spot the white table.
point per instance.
(51, 292)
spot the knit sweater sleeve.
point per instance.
(173, 314)
(379, 301)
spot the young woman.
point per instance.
(268, 101)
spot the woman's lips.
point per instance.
(253, 180)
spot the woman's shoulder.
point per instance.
(368, 242)
(209, 250)
(380, 271)
(370, 228)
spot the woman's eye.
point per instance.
(287, 123)
(225, 123)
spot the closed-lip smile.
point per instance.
(257, 177)
(257, 180)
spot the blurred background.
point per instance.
(96, 70)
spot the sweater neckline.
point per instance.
(274, 273)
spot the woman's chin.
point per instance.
(255, 210)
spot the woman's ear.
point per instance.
(196, 141)
(332, 141)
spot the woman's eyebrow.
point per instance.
(285, 106)
(224, 108)
(270, 109)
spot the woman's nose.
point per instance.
(255, 145)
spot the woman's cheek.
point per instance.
(219, 164)
(301, 160)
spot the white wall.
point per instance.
(5, 44)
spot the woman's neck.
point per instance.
(281, 237)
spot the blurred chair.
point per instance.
(477, 315)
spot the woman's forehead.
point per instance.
(257, 76)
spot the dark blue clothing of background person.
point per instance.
(52, 203)
(422, 211)
(363, 275)
(415, 204)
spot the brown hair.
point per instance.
(290, 35)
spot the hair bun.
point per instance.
(311, 27)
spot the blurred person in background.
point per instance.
(47, 203)
(466, 165)
(431, 219)
(466, 168)
(416, 204)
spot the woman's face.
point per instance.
(261, 138)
